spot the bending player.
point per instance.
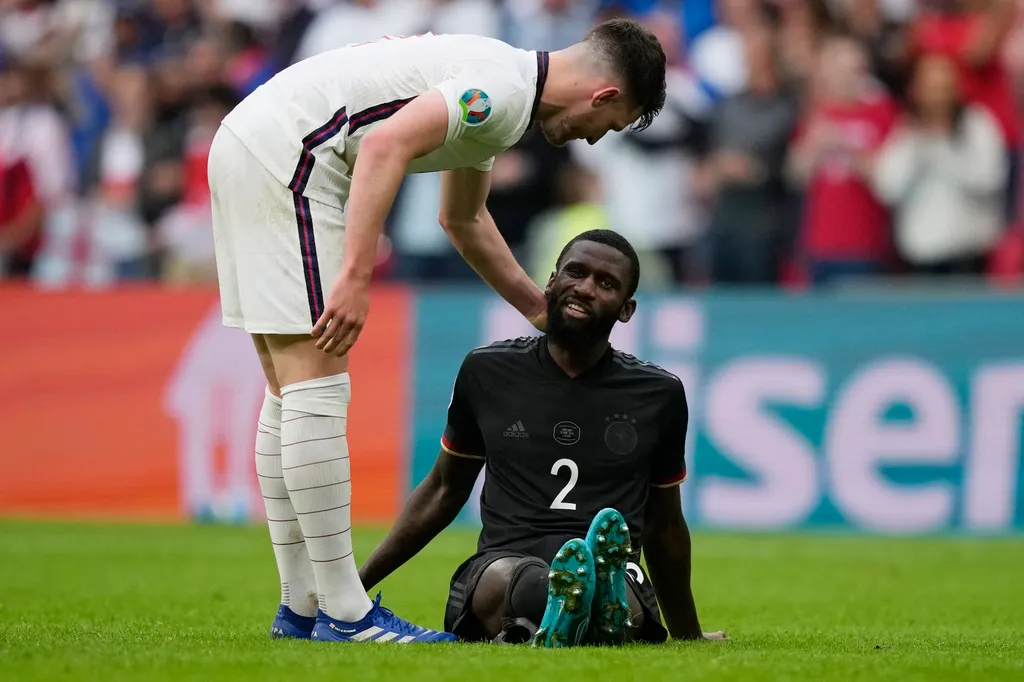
(584, 453)
(338, 131)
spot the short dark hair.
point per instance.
(637, 56)
(616, 241)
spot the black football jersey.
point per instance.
(557, 449)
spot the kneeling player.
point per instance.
(584, 453)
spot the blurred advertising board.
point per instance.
(892, 413)
(138, 403)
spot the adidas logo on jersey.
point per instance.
(517, 430)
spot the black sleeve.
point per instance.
(669, 467)
(462, 435)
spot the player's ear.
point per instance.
(627, 310)
(605, 95)
(551, 282)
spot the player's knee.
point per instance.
(324, 397)
(489, 594)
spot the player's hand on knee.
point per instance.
(343, 318)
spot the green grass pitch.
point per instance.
(133, 602)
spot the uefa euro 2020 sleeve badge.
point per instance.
(476, 106)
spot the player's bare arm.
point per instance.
(416, 130)
(431, 508)
(666, 542)
(471, 229)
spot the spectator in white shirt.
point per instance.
(944, 174)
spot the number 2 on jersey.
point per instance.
(574, 474)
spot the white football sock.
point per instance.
(298, 585)
(314, 461)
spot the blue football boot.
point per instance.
(290, 625)
(379, 625)
(570, 596)
(608, 540)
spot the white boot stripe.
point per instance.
(366, 634)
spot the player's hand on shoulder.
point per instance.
(539, 321)
(538, 316)
(345, 311)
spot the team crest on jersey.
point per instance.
(476, 106)
(620, 434)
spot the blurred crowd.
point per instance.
(803, 142)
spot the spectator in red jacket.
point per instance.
(21, 217)
(845, 229)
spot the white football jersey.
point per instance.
(306, 123)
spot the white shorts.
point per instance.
(277, 251)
